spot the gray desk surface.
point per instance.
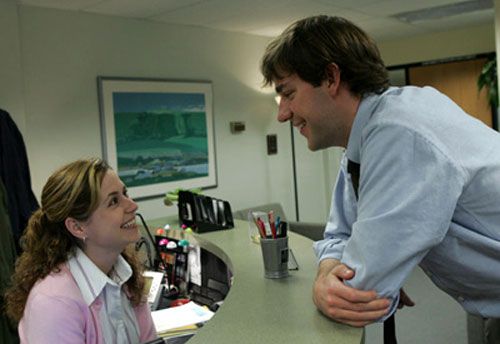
(260, 310)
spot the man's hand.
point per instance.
(342, 303)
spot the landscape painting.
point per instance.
(158, 134)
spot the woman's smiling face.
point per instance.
(112, 227)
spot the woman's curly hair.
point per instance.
(72, 191)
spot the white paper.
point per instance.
(194, 264)
(173, 317)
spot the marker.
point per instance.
(173, 266)
(261, 227)
(184, 244)
(267, 226)
(283, 229)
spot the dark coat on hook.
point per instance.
(15, 175)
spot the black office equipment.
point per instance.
(215, 280)
(204, 213)
(215, 276)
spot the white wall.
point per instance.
(49, 87)
(11, 85)
(316, 174)
(441, 45)
(62, 54)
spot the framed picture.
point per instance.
(158, 134)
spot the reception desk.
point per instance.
(260, 310)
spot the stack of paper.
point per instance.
(170, 319)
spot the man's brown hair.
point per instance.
(309, 45)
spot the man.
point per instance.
(419, 182)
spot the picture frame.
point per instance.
(158, 134)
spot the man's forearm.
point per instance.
(341, 302)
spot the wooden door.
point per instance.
(458, 80)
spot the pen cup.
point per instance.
(275, 257)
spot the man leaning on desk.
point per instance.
(419, 182)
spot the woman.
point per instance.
(75, 282)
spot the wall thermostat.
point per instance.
(237, 127)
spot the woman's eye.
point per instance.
(113, 201)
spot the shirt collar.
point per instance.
(91, 280)
(365, 111)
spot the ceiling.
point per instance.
(269, 17)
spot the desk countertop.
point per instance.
(260, 310)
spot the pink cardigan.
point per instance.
(56, 313)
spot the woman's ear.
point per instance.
(74, 227)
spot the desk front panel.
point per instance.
(260, 310)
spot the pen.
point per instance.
(272, 224)
(278, 229)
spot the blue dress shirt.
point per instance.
(429, 194)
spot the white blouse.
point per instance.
(118, 322)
